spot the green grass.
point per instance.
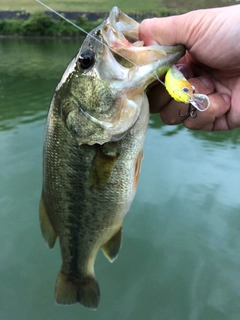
(40, 24)
(156, 6)
(85, 5)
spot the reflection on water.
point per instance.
(219, 138)
(180, 256)
(30, 71)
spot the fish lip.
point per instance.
(123, 24)
(119, 30)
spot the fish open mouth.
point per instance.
(114, 84)
(120, 34)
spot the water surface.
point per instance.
(180, 257)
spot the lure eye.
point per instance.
(86, 59)
(185, 90)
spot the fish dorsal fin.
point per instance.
(112, 247)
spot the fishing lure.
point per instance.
(181, 90)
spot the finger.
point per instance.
(165, 31)
(185, 70)
(233, 116)
(158, 97)
(174, 112)
(212, 119)
(203, 84)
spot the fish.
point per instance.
(181, 90)
(93, 150)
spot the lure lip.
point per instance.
(203, 101)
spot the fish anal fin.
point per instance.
(112, 247)
(48, 232)
(85, 291)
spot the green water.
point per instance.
(180, 258)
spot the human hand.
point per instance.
(211, 64)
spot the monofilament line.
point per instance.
(78, 27)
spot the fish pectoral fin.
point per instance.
(112, 247)
(48, 232)
(101, 169)
(84, 290)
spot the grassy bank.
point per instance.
(84, 5)
(156, 6)
(41, 24)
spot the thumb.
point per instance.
(169, 31)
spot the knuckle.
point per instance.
(169, 118)
(202, 84)
(193, 124)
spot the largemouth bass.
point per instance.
(93, 150)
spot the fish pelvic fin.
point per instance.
(48, 232)
(84, 290)
(112, 247)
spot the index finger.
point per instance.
(158, 97)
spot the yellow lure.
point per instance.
(177, 86)
(181, 90)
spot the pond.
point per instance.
(180, 257)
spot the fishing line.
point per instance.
(196, 101)
(78, 27)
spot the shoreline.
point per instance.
(49, 25)
(74, 15)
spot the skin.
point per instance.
(211, 64)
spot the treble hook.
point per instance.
(192, 112)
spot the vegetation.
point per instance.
(84, 5)
(127, 6)
(41, 24)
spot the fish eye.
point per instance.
(185, 90)
(86, 59)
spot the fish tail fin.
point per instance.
(84, 290)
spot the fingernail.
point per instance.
(206, 81)
(227, 98)
(186, 70)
